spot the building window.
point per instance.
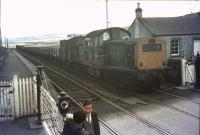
(196, 46)
(175, 47)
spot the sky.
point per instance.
(21, 18)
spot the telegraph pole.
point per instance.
(0, 27)
(6, 42)
(107, 14)
(0, 36)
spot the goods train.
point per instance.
(111, 54)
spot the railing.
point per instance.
(50, 115)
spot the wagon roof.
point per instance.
(73, 41)
(99, 32)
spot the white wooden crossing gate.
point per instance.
(190, 73)
(18, 98)
(6, 101)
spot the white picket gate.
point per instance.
(18, 98)
(6, 101)
(25, 97)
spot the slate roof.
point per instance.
(182, 25)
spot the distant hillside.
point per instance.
(49, 37)
(36, 38)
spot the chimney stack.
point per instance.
(138, 11)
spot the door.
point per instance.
(131, 56)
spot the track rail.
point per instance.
(171, 106)
(180, 97)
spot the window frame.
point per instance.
(172, 46)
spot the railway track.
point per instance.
(142, 119)
(177, 108)
(164, 91)
(77, 103)
(76, 89)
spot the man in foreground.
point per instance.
(74, 126)
(91, 123)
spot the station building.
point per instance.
(182, 33)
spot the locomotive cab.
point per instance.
(119, 53)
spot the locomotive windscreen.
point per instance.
(119, 54)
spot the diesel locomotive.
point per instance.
(111, 54)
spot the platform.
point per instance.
(13, 65)
(20, 127)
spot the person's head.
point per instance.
(88, 107)
(79, 117)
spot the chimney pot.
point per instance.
(138, 11)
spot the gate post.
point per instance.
(183, 72)
(16, 96)
(39, 82)
(197, 70)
